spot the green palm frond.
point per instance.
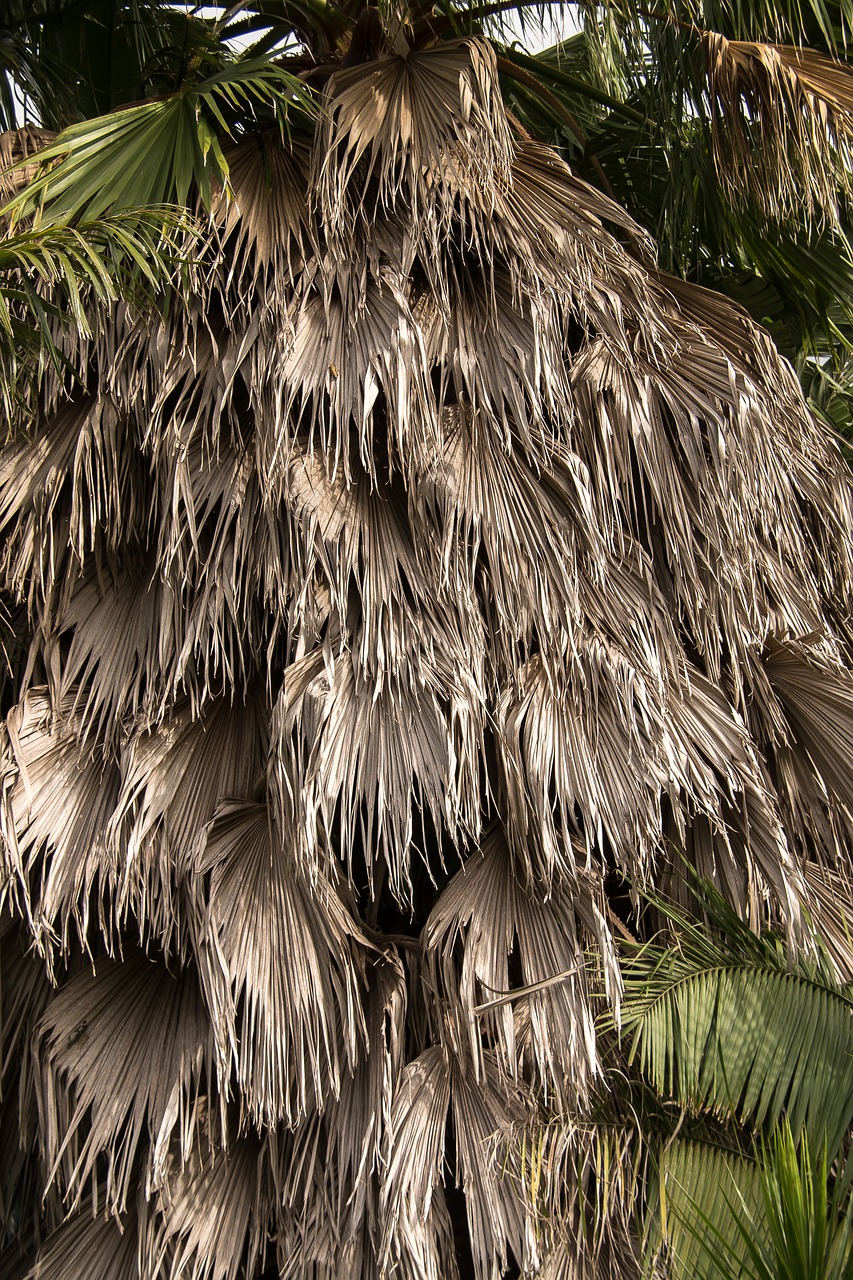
(794, 1229)
(159, 151)
(734, 1026)
(56, 278)
(702, 1194)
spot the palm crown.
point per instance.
(419, 560)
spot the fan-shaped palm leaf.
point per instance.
(733, 1026)
(87, 1245)
(486, 910)
(799, 103)
(156, 152)
(291, 1027)
(56, 862)
(100, 1092)
(209, 1219)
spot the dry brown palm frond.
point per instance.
(831, 912)
(210, 1216)
(503, 352)
(416, 1231)
(327, 1169)
(72, 484)
(744, 820)
(426, 133)
(25, 989)
(363, 763)
(356, 1124)
(128, 640)
(487, 916)
(173, 777)
(183, 377)
(266, 206)
(594, 757)
(720, 518)
(223, 546)
(485, 1111)
(802, 695)
(356, 536)
(281, 965)
(98, 1248)
(351, 349)
(123, 625)
(551, 233)
(781, 126)
(570, 1261)
(582, 1173)
(588, 757)
(102, 1093)
(58, 797)
(524, 536)
(17, 145)
(818, 705)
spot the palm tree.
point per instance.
(429, 562)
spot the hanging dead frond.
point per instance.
(484, 1114)
(425, 134)
(781, 126)
(281, 967)
(265, 206)
(220, 537)
(416, 1229)
(17, 146)
(582, 1174)
(488, 917)
(356, 535)
(355, 348)
(102, 1094)
(122, 631)
(831, 913)
(524, 537)
(72, 485)
(24, 991)
(818, 703)
(212, 1211)
(328, 1168)
(58, 798)
(708, 508)
(173, 777)
(87, 1245)
(381, 767)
